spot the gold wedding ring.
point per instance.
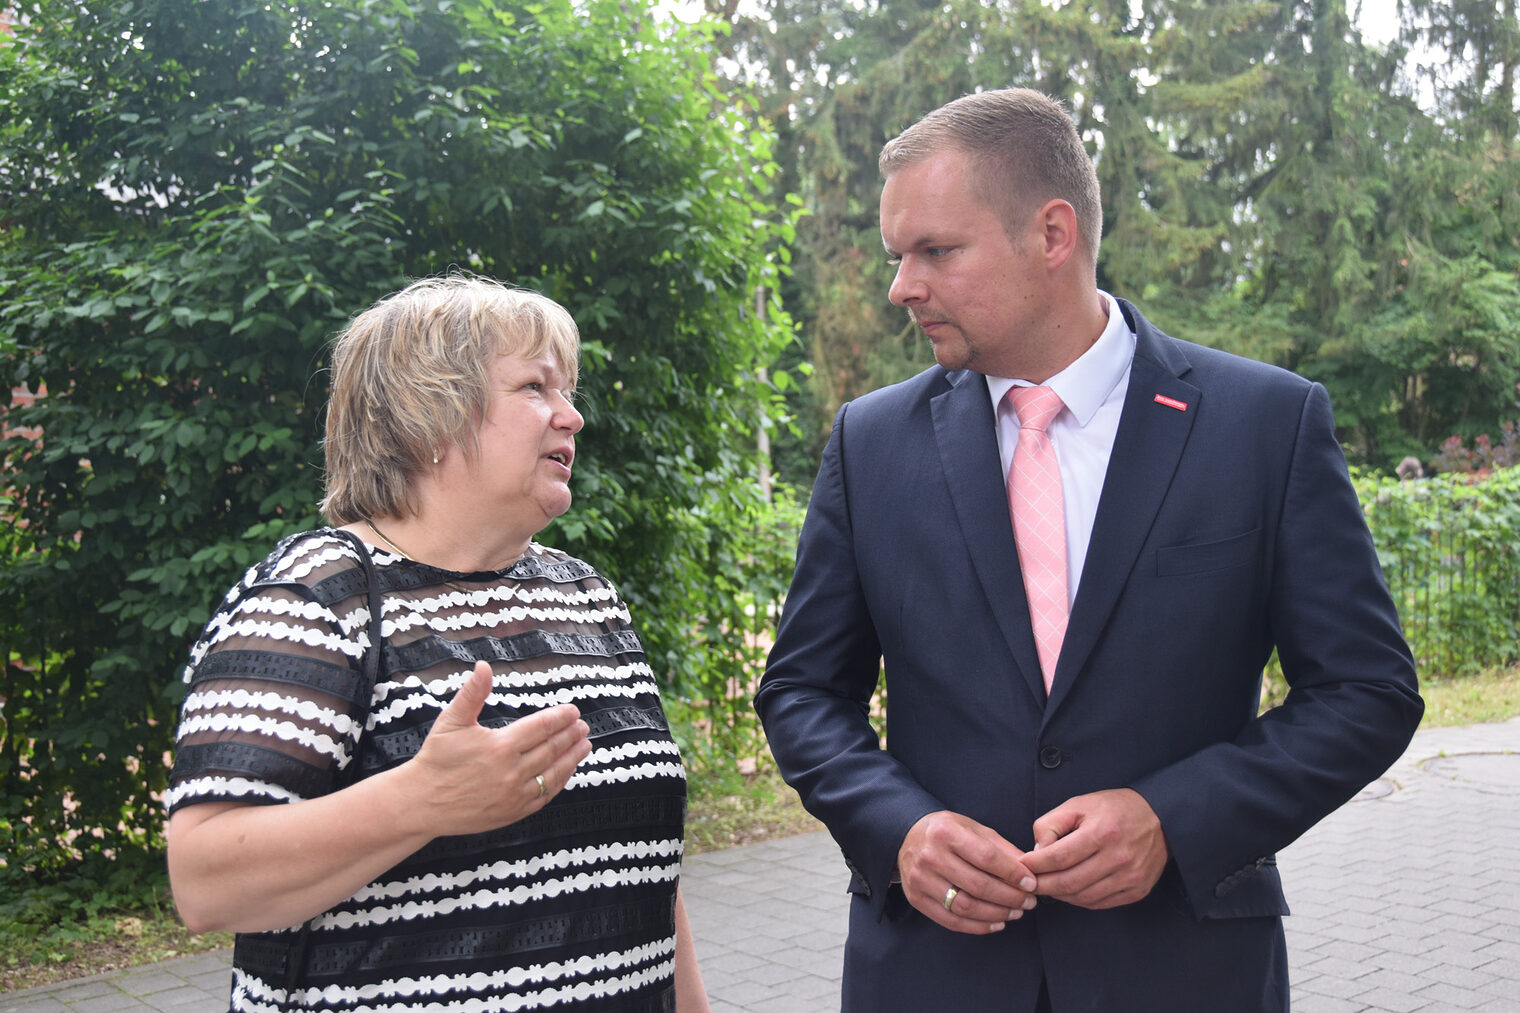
(950, 896)
(543, 789)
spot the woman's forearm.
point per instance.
(254, 868)
(691, 994)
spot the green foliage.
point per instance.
(1450, 549)
(744, 586)
(1271, 184)
(837, 77)
(199, 195)
(1472, 699)
(46, 921)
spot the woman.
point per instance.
(496, 822)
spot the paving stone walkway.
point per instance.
(1406, 900)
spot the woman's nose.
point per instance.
(567, 416)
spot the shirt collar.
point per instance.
(1086, 383)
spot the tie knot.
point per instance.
(1035, 406)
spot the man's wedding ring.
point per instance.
(950, 896)
(543, 789)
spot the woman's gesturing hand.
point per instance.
(471, 779)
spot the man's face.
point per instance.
(979, 294)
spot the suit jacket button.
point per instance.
(1050, 757)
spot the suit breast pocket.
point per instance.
(1207, 557)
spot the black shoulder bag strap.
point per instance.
(295, 962)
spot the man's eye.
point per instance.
(894, 261)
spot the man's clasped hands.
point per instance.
(1095, 851)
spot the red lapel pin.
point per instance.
(1171, 402)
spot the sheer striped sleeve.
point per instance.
(276, 696)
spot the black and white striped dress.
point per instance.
(572, 907)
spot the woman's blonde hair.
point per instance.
(409, 377)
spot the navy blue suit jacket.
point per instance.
(1225, 527)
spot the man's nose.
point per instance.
(907, 289)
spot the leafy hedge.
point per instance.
(1450, 550)
(196, 196)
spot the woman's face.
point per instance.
(527, 443)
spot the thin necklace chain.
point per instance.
(404, 554)
(386, 539)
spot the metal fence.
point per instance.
(1450, 549)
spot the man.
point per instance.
(1097, 832)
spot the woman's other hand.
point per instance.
(471, 779)
(251, 868)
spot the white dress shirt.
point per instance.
(1093, 389)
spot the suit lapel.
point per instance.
(1153, 430)
(966, 435)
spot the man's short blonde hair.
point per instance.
(409, 377)
(1024, 148)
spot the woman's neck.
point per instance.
(454, 546)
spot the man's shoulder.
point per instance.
(1203, 364)
(1217, 364)
(894, 399)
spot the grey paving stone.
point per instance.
(746, 993)
(820, 988)
(1506, 950)
(1396, 980)
(184, 998)
(217, 981)
(1506, 1005)
(719, 1006)
(1460, 977)
(780, 1004)
(16, 1002)
(1460, 957)
(201, 963)
(1505, 986)
(1337, 967)
(113, 1002)
(1450, 997)
(1367, 929)
(1326, 1004)
(1393, 1000)
(147, 981)
(1407, 941)
(85, 989)
(1329, 985)
(734, 963)
(1346, 950)
(774, 974)
(1413, 965)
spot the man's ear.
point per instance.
(1058, 230)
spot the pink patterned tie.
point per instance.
(1039, 520)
